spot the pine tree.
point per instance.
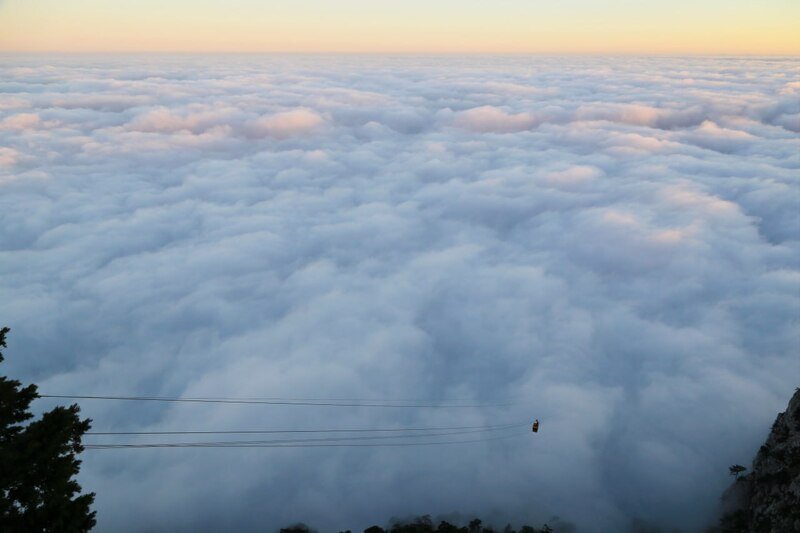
(735, 470)
(38, 463)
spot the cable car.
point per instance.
(535, 427)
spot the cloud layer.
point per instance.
(613, 244)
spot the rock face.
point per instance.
(768, 499)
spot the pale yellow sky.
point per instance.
(413, 26)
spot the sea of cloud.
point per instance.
(611, 244)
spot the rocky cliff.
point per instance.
(768, 499)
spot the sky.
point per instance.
(407, 26)
(611, 245)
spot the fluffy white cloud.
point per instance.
(286, 124)
(493, 119)
(21, 122)
(612, 243)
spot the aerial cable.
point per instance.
(282, 401)
(348, 438)
(298, 445)
(283, 431)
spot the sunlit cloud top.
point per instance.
(411, 26)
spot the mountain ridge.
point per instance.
(768, 498)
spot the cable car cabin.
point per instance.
(535, 427)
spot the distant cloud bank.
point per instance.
(613, 244)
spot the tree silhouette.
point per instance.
(37, 463)
(421, 524)
(424, 524)
(735, 470)
(475, 526)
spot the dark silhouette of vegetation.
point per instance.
(425, 524)
(735, 522)
(735, 470)
(37, 463)
(297, 528)
(766, 499)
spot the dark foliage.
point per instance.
(38, 464)
(735, 522)
(735, 470)
(425, 524)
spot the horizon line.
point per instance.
(398, 53)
